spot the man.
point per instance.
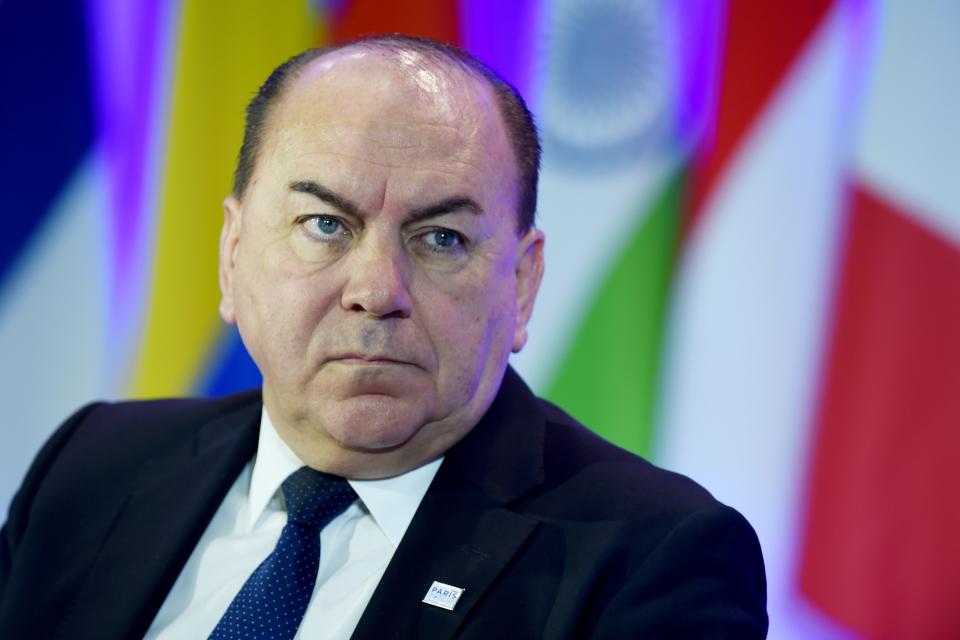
(379, 257)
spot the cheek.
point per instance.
(454, 307)
(470, 324)
(279, 306)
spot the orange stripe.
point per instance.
(762, 42)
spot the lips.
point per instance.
(363, 358)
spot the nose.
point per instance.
(377, 281)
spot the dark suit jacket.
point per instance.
(551, 531)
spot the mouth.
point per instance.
(368, 359)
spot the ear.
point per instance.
(229, 238)
(529, 273)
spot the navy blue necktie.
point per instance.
(272, 601)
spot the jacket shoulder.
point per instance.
(576, 456)
(665, 544)
(109, 437)
(139, 426)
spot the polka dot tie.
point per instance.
(274, 598)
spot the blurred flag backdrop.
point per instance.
(753, 221)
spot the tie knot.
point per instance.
(315, 498)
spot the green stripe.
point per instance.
(608, 379)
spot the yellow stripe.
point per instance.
(226, 49)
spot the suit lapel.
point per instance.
(456, 540)
(464, 533)
(158, 525)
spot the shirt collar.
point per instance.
(391, 502)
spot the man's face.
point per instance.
(374, 267)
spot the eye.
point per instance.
(441, 239)
(326, 229)
(325, 225)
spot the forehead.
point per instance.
(402, 107)
(392, 79)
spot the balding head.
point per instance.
(422, 59)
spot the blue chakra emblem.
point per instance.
(607, 98)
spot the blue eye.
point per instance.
(327, 225)
(443, 238)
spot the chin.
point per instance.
(375, 422)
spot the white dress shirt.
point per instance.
(355, 547)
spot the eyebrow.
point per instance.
(445, 206)
(321, 192)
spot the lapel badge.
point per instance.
(443, 595)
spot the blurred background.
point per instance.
(752, 212)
